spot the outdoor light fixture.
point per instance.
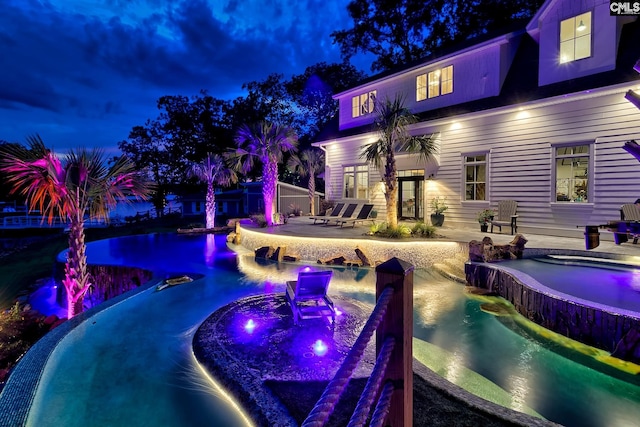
(633, 97)
(581, 26)
(637, 66)
(431, 177)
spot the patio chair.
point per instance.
(630, 212)
(335, 213)
(362, 217)
(308, 297)
(506, 216)
(348, 213)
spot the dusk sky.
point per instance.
(84, 72)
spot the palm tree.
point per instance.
(309, 163)
(392, 122)
(264, 142)
(71, 189)
(212, 170)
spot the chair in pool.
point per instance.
(348, 213)
(308, 297)
(630, 212)
(335, 213)
(362, 216)
(506, 216)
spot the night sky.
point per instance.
(84, 72)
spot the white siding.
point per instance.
(520, 142)
(477, 73)
(604, 47)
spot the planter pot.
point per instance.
(484, 228)
(437, 220)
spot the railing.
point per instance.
(36, 221)
(27, 221)
(392, 320)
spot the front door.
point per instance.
(410, 197)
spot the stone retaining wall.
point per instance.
(591, 325)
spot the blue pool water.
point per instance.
(132, 364)
(606, 282)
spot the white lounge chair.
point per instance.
(308, 297)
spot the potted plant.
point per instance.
(438, 206)
(484, 216)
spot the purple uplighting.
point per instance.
(320, 348)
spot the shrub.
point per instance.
(259, 220)
(295, 209)
(423, 230)
(398, 232)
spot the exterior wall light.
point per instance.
(633, 97)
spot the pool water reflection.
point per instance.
(132, 363)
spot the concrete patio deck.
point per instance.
(304, 227)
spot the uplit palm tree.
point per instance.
(266, 143)
(309, 163)
(212, 170)
(392, 122)
(74, 189)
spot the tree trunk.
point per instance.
(76, 276)
(210, 207)
(312, 193)
(269, 183)
(391, 187)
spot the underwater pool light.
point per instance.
(320, 348)
(250, 326)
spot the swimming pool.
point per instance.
(132, 363)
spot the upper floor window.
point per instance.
(475, 177)
(421, 87)
(434, 83)
(361, 105)
(572, 166)
(356, 182)
(575, 38)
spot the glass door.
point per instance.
(410, 197)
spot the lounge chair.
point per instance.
(362, 217)
(506, 216)
(335, 213)
(308, 297)
(348, 213)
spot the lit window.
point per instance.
(435, 83)
(356, 182)
(361, 105)
(475, 177)
(575, 38)
(446, 80)
(421, 87)
(572, 166)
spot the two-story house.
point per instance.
(537, 114)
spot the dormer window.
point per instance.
(575, 38)
(434, 83)
(361, 105)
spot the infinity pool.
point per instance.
(132, 363)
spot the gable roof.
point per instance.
(521, 83)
